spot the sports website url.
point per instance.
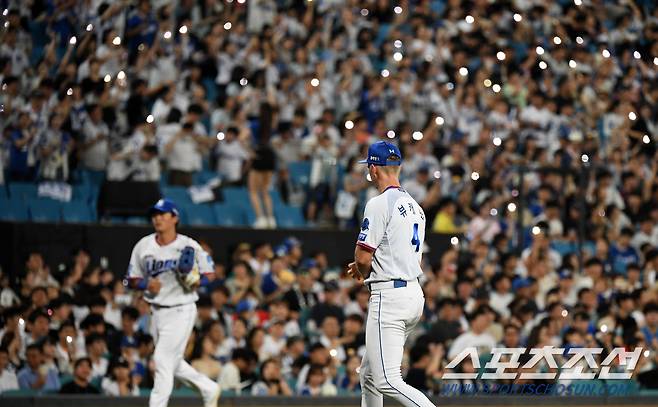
(575, 389)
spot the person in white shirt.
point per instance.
(109, 55)
(535, 119)
(185, 150)
(147, 166)
(155, 264)
(65, 351)
(476, 336)
(8, 380)
(275, 340)
(231, 157)
(484, 226)
(330, 338)
(165, 103)
(119, 381)
(96, 348)
(95, 144)
(243, 361)
(501, 297)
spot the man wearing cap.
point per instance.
(156, 266)
(387, 257)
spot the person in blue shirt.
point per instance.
(36, 375)
(22, 162)
(622, 253)
(141, 26)
(650, 330)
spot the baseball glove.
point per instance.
(188, 271)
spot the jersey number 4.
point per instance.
(415, 240)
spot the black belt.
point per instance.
(397, 283)
(158, 306)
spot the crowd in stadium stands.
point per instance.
(279, 321)
(544, 111)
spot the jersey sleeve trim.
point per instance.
(366, 247)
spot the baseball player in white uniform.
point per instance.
(387, 256)
(169, 267)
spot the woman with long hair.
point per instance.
(119, 381)
(203, 360)
(271, 382)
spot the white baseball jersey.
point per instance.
(149, 259)
(394, 229)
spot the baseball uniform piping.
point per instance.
(381, 352)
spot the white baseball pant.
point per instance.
(392, 315)
(173, 327)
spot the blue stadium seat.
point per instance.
(276, 197)
(300, 172)
(137, 220)
(45, 210)
(3, 193)
(228, 214)
(13, 210)
(22, 190)
(202, 177)
(92, 177)
(178, 194)
(563, 247)
(83, 192)
(236, 195)
(78, 212)
(289, 217)
(199, 215)
(20, 393)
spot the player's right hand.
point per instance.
(353, 272)
(154, 286)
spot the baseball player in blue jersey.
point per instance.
(387, 256)
(169, 267)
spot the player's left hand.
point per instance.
(353, 272)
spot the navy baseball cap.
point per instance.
(379, 152)
(164, 205)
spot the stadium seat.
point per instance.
(20, 393)
(276, 197)
(300, 172)
(22, 190)
(289, 217)
(83, 192)
(45, 210)
(3, 193)
(78, 212)
(202, 177)
(237, 195)
(184, 391)
(199, 215)
(563, 247)
(137, 220)
(178, 194)
(13, 210)
(227, 214)
(92, 177)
